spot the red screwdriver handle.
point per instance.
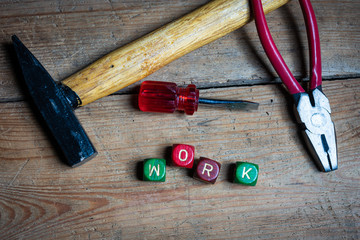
(167, 97)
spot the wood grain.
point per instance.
(67, 36)
(42, 198)
(144, 56)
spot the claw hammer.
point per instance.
(124, 66)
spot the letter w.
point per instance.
(157, 171)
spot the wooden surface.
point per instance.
(42, 198)
(140, 58)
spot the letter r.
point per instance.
(208, 170)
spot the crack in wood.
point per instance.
(18, 172)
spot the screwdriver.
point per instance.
(167, 97)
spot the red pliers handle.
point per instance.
(274, 55)
(313, 108)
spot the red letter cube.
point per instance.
(207, 170)
(183, 155)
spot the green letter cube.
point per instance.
(246, 173)
(154, 170)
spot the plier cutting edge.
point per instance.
(312, 109)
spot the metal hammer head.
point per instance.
(55, 103)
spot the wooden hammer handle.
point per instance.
(149, 53)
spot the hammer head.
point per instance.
(55, 102)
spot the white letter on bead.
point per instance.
(157, 171)
(186, 155)
(246, 173)
(208, 170)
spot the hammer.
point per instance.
(122, 67)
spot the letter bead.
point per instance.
(154, 170)
(207, 170)
(246, 173)
(183, 155)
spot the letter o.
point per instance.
(186, 155)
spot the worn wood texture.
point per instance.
(42, 198)
(145, 55)
(67, 36)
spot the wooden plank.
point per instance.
(67, 37)
(137, 60)
(42, 198)
(38, 8)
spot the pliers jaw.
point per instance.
(313, 114)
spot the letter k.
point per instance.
(246, 173)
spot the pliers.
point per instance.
(312, 109)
